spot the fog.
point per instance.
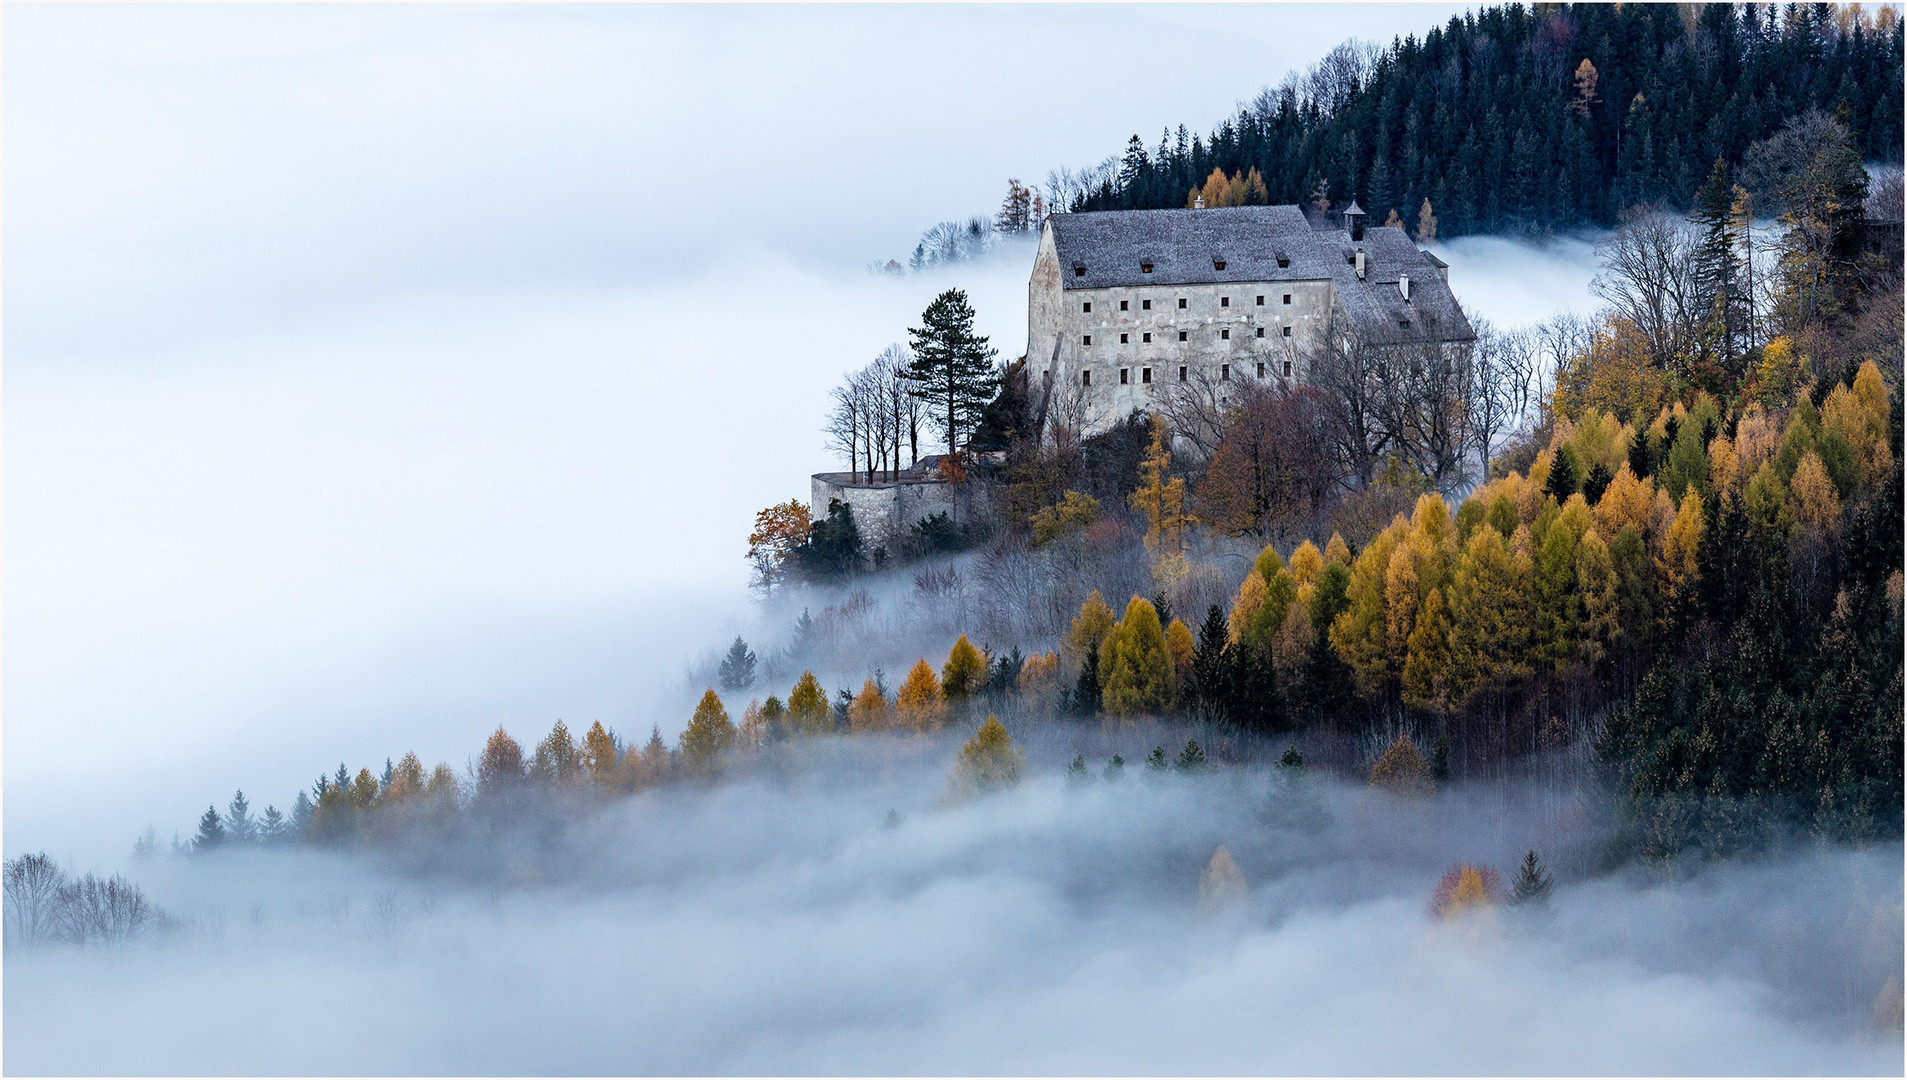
(379, 375)
(376, 376)
(788, 922)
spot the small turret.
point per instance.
(1354, 221)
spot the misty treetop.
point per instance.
(1518, 118)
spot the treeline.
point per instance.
(1531, 118)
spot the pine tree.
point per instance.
(1087, 699)
(952, 368)
(1191, 757)
(709, 735)
(1532, 884)
(1115, 768)
(211, 831)
(1076, 773)
(737, 672)
(240, 828)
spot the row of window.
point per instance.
(1145, 374)
(1224, 334)
(1079, 269)
(1146, 305)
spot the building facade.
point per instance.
(1121, 305)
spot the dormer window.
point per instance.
(1218, 264)
(1145, 267)
(1079, 269)
(1284, 263)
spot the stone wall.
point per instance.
(885, 508)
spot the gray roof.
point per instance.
(1185, 247)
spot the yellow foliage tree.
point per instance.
(1221, 886)
(1090, 628)
(1681, 547)
(1251, 596)
(753, 731)
(1403, 770)
(965, 672)
(709, 735)
(1812, 497)
(1427, 669)
(870, 710)
(1074, 511)
(920, 704)
(1136, 669)
(1466, 890)
(808, 710)
(599, 754)
(1336, 551)
(1307, 562)
(988, 762)
(1161, 498)
(1490, 612)
(1039, 676)
(1596, 586)
(779, 530)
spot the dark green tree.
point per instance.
(211, 831)
(952, 370)
(1533, 885)
(737, 672)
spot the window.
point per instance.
(1145, 375)
(1224, 301)
(1181, 372)
(1218, 264)
(1145, 268)
(1125, 305)
(1225, 334)
(1287, 298)
(1261, 369)
(1085, 378)
(1145, 305)
(1181, 335)
(1283, 263)
(1405, 323)
(1287, 331)
(1145, 338)
(1123, 338)
(1087, 306)
(1123, 379)
(1181, 303)
(1078, 270)
(1089, 339)
(1261, 301)
(1260, 333)
(1225, 371)
(1287, 369)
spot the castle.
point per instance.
(1122, 304)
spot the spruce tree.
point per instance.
(240, 827)
(737, 672)
(211, 831)
(952, 369)
(1532, 883)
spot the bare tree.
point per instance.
(1423, 406)
(1352, 374)
(1648, 277)
(1497, 395)
(847, 422)
(33, 884)
(1197, 410)
(103, 910)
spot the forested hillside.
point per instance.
(1516, 118)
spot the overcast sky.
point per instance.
(375, 375)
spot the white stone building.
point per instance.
(1123, 303)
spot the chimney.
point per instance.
(1403, 286)
(1198, 202)
(1359, 263)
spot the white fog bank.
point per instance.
(788, 925)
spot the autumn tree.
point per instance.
(1138, 670)
(1221, 886)
(557, 759)
(988, 762)
(920, 704)
(599, 753)
(500, 769)
(710, 734)
(871, 710)
(1161, 497)
(964, 673)
(1466, 889)
(779, 530)
(1403, 770)
(808, 709)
